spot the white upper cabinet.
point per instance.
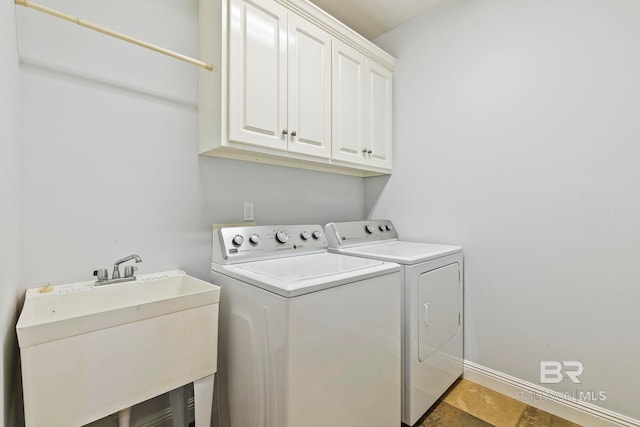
(309, 106)
(294, 87)
(279, 79)
(378, 115)
(348, 104)
(361, 109)
(258, 73)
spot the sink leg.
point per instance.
(203, 400)
(124, 417)
(178, 407)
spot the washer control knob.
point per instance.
(387, 227)
(254, 239)
(369, 228)
(316, 235)
(382, 228)
(237, 240)
(281, 236)
(305, 235)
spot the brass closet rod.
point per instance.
(103, 30)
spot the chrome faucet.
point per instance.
(128, 271)
(103, 275)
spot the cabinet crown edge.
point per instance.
(341, 31)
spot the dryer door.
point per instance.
(438, 308)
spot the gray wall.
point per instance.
(516, 130)
(9, 217)
(108, 173)
(109, 162)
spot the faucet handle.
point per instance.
(129, 270)
(102, 274)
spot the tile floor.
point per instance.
(468, 404)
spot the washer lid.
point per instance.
(298, 275)
(400, 251)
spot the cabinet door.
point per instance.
(378, 115)
(309, 107)
(258, 73)
(348, 104)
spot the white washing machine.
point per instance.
(432, 336)
(307, 338)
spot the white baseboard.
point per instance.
(555, 403)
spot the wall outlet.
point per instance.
(248, 211)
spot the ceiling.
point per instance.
(372, 18)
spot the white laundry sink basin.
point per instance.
(66, 310)
(88, 351)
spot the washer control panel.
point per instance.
(341, 234)
(266, 241)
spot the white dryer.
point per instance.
(432, 338)
(307, 338)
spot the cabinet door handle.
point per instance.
(364, 151)
(285, 131)
(369, 152)
(294, 133)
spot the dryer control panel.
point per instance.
(343, 234)
(243, 244)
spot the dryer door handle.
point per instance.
(426, 315)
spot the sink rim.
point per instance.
(32, 331)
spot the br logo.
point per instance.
(552, 371)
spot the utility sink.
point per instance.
(56, 312)
(88, 351)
